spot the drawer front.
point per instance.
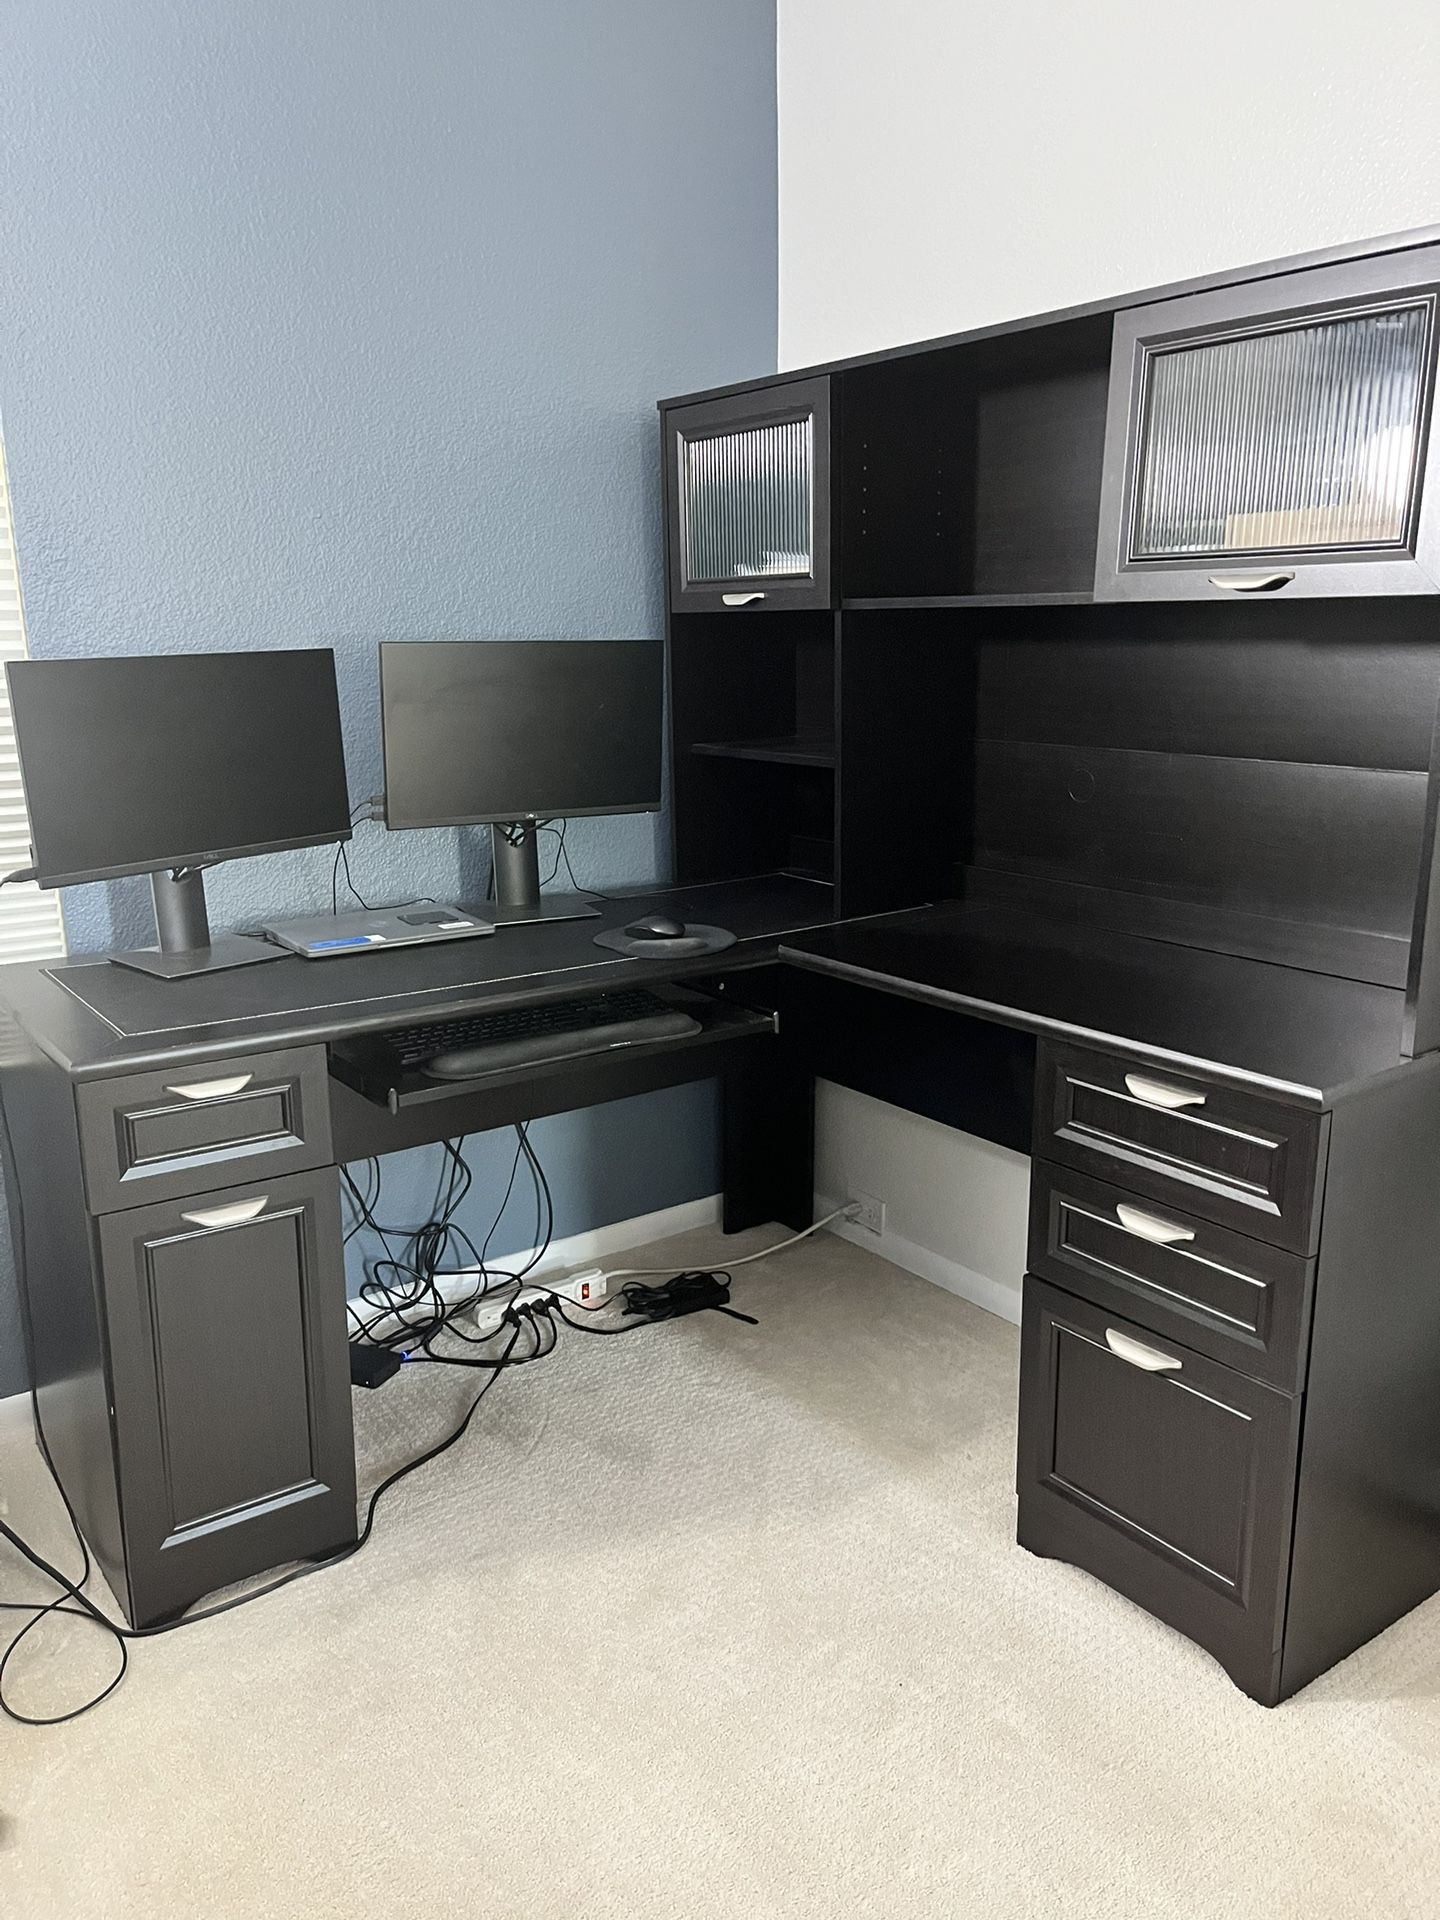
(158, 1136)
(1167, 1476)
(1235, 1158)
(1241, 1301)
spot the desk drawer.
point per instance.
(1241, 1301)
(1168, 1477)
(1235, 1158)
(159, 1136)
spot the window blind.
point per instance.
(30, 923)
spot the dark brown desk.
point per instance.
(1232, 1312)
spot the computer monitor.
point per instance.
(167, 763)
(511, 732)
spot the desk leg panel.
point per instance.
(767, 1143)
(1367, 1517)
(58, 1271)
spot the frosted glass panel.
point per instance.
(1299, 437)
(748, 503)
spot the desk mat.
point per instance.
(136, 1004)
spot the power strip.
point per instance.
(586, 1289)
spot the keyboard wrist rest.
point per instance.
(469, 1063)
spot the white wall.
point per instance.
(945, 164)
(954, 1207)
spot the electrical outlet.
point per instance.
(869, 1212)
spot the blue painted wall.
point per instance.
(334, 323)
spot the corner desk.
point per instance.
(1231, 1342)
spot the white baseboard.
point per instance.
(978, 1288)
(586, 1249)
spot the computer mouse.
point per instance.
(656, 926)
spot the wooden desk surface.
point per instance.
(95, 1019)
(1305, 1034)
(1308, 1035)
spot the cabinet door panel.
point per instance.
(748, 492)
(226, 1322)
(1168, 1476)
(1272, 438)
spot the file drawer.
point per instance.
(1241, 1301)
(187, 1129)
(1236, 1158)
(1166, 1476)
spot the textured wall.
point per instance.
(338, 323)
(943, 166)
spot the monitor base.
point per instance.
(225, 951)
(550, 906)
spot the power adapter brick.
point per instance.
(372, 1366)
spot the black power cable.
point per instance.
(698, 1291)
(403, 1288)
(446, 1319)
(122, 1635)
(341, 853)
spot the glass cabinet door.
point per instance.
(748, 487)
(1253, 452)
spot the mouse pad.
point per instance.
(695, 939)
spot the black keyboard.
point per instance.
(482, 1043)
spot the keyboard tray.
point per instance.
(364, 1061)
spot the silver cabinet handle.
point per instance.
(1155, 1093)
(740, 599)
(233, 1214)
(1136, 1354)
(212, 1089)
(1251, 582)
(1148, 1227)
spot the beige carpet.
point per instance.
(714, 1620)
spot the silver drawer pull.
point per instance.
(1136, 1354)
(1162, 1232)
(213, 1089)
(741, 599)
(1251, 582)
(233, 1214)
(1155, 1093)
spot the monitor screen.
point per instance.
(169, 760)
(484, 730)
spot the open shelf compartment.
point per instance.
(752, 714)
(972, 474)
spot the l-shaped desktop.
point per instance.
(1083, 765)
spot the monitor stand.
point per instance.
(186, 946)
(518, 900)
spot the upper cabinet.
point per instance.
(748, 499)
(1273, 438)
